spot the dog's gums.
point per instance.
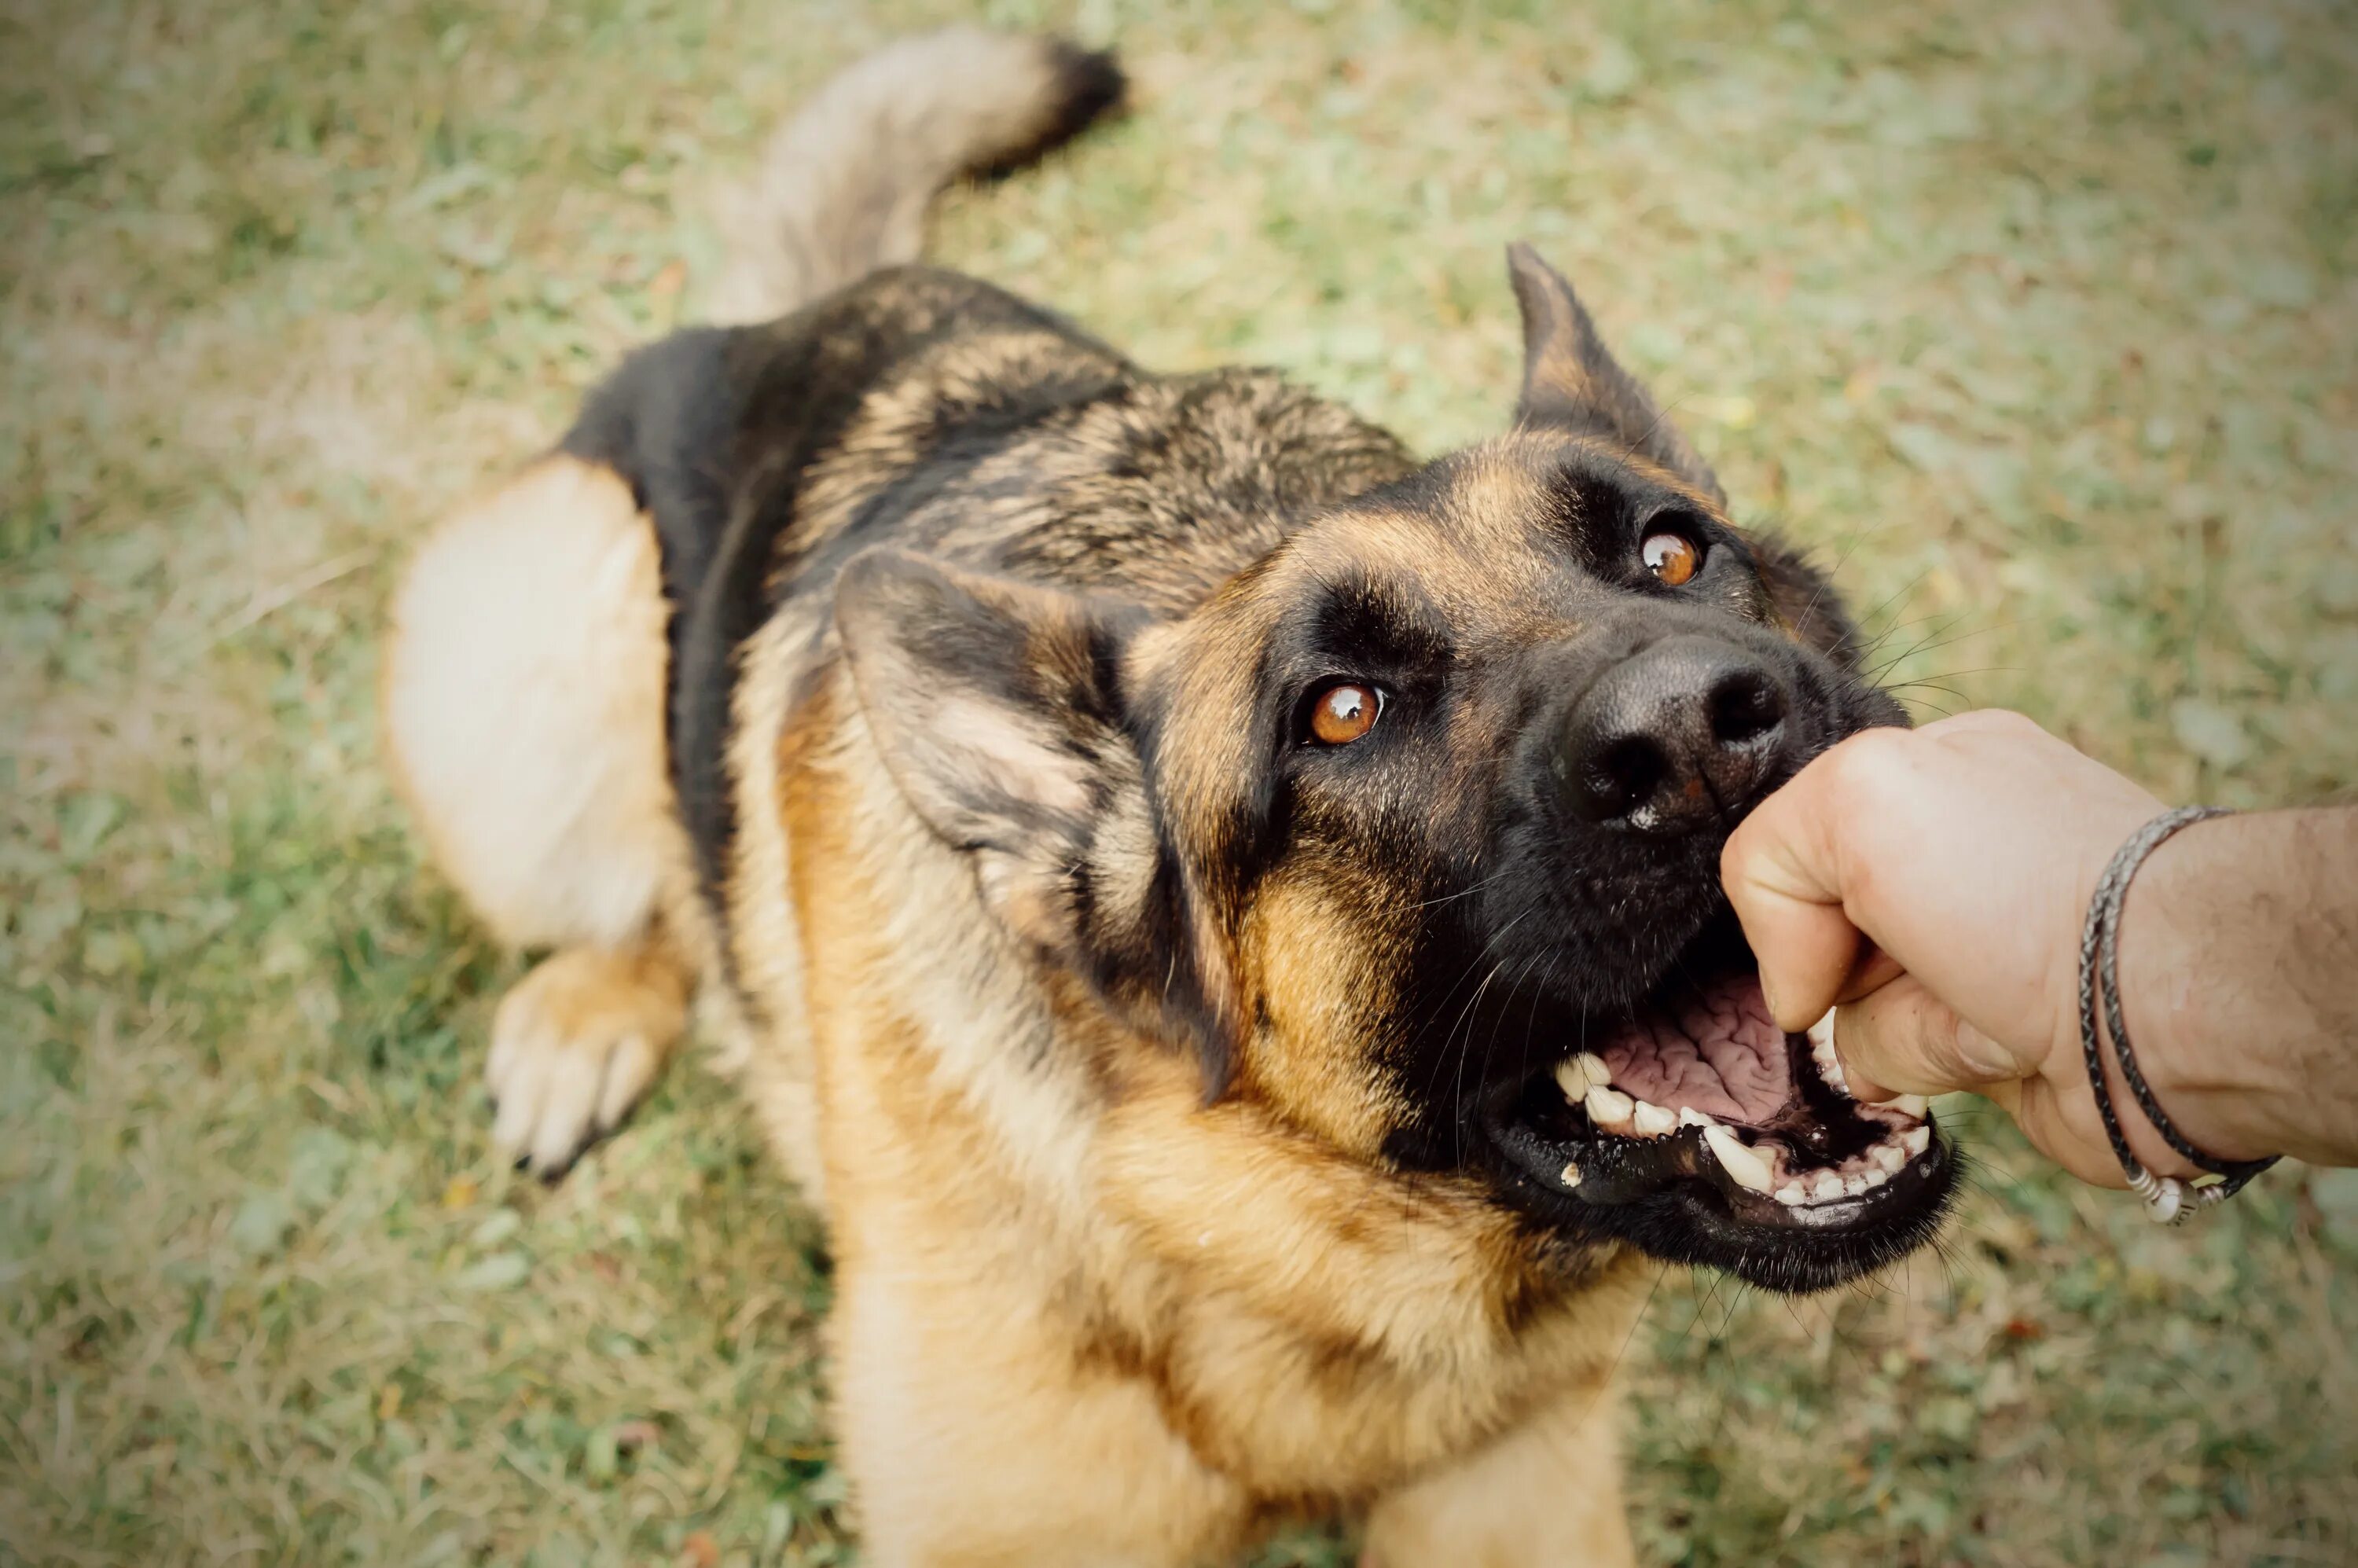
(1696, 1099)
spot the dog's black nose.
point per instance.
(1684, 733)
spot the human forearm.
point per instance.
(2239, 979)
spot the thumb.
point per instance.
(1901, 1039)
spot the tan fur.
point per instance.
(578, 1042)
(844, 185)
(1510, 1507)
(1323, 973)
(523, 700)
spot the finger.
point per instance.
(1874, 969)
(1902, 1039)
(1780, 874)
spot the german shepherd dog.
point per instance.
(1221, 918)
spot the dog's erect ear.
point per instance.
(1570, 379)
(995, 705)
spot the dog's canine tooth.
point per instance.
(1651, 1119)
(1575, 1076)
(1749, 1167)
(1608, 1108)
(1915, 1140)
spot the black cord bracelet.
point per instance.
(2168, 1199)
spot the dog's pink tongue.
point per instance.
(1717, 1051)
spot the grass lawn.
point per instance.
(2040, 318)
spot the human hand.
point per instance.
(1933, 882)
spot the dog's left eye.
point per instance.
(1343, 712)
(1670, 556)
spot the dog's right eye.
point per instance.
(1670, 556)
(1343, 712)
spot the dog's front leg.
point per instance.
(976, 1432)
(1547, 1495)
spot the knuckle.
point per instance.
(1864, 768)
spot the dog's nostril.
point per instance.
(1623, 775)
(1744, 705)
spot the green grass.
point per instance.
(2040, 319)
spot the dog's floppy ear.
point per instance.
(994, 704)
(998, 708)
(1570, 379)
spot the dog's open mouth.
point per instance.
(1697, 1089)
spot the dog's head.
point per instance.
(1412, 829)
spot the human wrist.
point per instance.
(2184, 983)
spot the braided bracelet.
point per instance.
(2166, 1199)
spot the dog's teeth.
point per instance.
(1876, 1177)
(1575, 1076)
(1571, 1176)
(1607, 1108)
(1887, 1158)
(1908, 1105)
(1749, 1167)
(1690, 1116)
(1821, 1051)
(1829, 1185)
(1651, 1119)
(1854, 1184)
(1915, 1140)
(1791, 1196)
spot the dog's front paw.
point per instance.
(574, 1045)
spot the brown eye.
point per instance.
(1345, 713)
(1673, 557)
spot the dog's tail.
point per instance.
(844, 185)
